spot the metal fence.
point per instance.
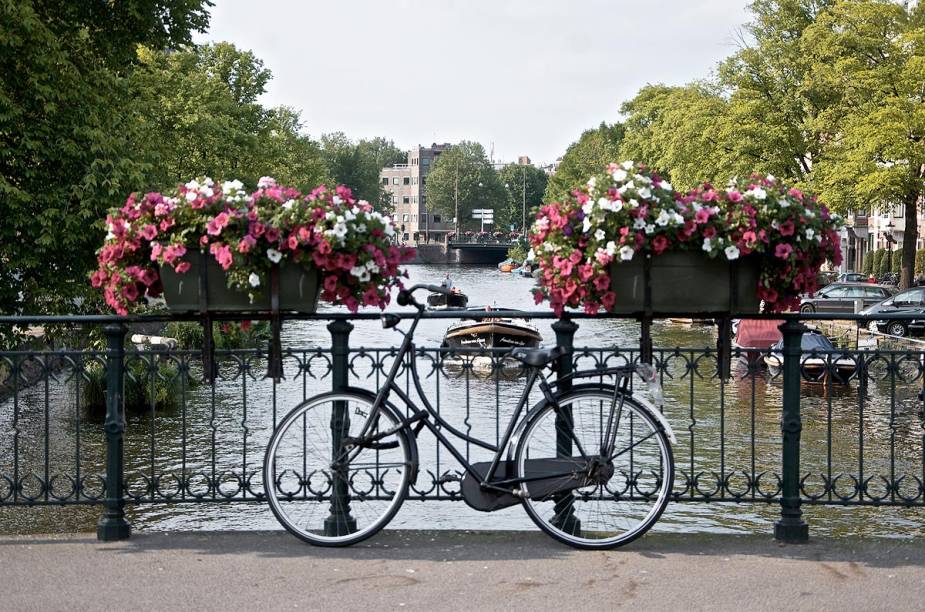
(837, 427)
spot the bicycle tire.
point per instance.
(370, 508)
(555, 514)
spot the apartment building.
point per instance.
(407, 185)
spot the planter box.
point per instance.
(298, 288)
(687, 282)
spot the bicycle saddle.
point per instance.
(537, 357)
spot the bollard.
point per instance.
(112, 525)
(791, 527)
(565, 336)
(339, 522)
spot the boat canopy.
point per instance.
(811, 341)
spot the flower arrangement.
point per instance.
(246, 233)
(631, 210)
(498, 235)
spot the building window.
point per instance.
(385, 180)
(394, 199)
(436, 218)
(407, 180)
(414, 199)
(395, 180)
(426, 161)
(404, 218)
(414, 180)
(414, 218)
(405, 200)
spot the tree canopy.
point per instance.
(466, 167)
(593, 150)
(525, 185)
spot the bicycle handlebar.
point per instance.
(406, 299)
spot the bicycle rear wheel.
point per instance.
(624, 498)
(324, 494)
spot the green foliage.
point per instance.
(525, 185)
(588, 156)
(678, 132)
(519, 251)
(140, 373)
(867, 263)
(885, 263)
(464, 167)
(227, 335)
(876, 258)
(920, 262)
(357, 165)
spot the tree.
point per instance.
(872, 56)
(589, 155)
(383, 154)
(465, 171)
(357, 164)
(678, 131)
(525, 185)
(287, 154)
(70, 140)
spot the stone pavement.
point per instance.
(450, 570)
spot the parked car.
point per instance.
(841, 297)
(851, 277)
(910, 301)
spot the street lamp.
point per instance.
(888, 235)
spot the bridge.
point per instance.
(475, 252)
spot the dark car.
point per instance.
(851, 277)
(841, 297)
(910, 301)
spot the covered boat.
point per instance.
(491, 333)
(755, 337)
(818, 361)
(456, 299)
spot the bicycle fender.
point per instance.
(658, 416)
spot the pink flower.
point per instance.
(608, 300)
(786, 228)
(734, 196)
(182, 267)
(783, 251)
(246, 244)
(222, 253)
(659, 244)
(702, 216)
(148, 232)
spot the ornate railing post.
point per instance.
(791, 527)
(565, 338)
(112, 525)
(339, 521)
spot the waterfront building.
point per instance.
(406, 184)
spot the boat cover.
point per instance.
(758, 333)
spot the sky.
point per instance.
(525, 77)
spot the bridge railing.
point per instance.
(841, 427)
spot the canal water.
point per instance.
(725, 432)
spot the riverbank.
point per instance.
(411, 570)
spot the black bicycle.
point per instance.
(590, 463)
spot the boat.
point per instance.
(508, 265)
(455, 299)
(691, 322)
(754, 338)
(822, 367)
(491, 333)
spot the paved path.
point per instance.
(417, 570)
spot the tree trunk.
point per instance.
(910, 237)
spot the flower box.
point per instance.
(299, 288)
(686, 281)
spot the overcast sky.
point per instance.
(525, 75)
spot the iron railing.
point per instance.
(839, 427)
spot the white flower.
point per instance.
(372, 267)
(266, 181)
(810, 232)
(639, 223)
(274, 255)
(809, 214)
(234, 185)
(289, 204)
(190, 196)
(592, 183)
(586, 224)
(627, 165)
(771, 178)
(616, 205)
(110, 235)
(208, 192)
(645, 180)
(707, 245)
(361, 228)
(253, 279)
(783, 203)
(758, 193)
(619, 175)
(587, 207)
(663, 218)
(350, 215)
(389, 229)
(208, 182)
(626, 253)
(604, 203)
(531, 254)
(611, 248)
(666, 186)
(633, 203)
(329, 216)
(677, 219)
(645, 192)
(650, 228)
(599, 235)
(732, 252)
(628, 185)
(193, 185)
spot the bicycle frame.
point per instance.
(430, 418)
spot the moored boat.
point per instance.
(755, 337)
(818, 361)
(491, 333)
(455, 299)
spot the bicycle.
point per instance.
(590, 463)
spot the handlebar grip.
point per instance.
(404, 297)
(438, 289)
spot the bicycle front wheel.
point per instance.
(625, 492)
(328, 495)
